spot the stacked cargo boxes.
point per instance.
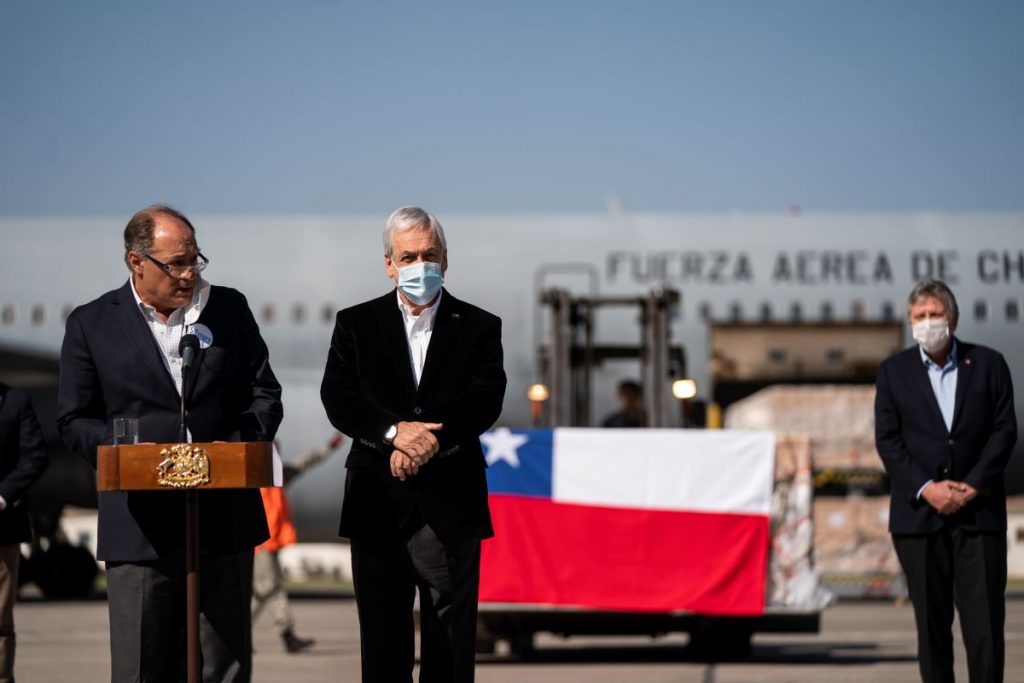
(853, 551)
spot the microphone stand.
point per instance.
(182, 428)
(191, 544)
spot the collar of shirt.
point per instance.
(950, 359)
(167, 335)
(424, 321)
(189, 313)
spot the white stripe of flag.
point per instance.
(665, 469)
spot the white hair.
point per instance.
(410, 218)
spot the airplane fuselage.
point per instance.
(298, 271)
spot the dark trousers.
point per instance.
(10, 556)
(147, 603)
(968, 570)
(386, 574)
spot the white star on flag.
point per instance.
(502, 444)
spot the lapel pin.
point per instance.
(456, 316)
(967, 361)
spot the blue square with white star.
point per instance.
(519, 461)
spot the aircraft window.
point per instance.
(1012, 310)
(857, 311)
(834, 354)
(981, 310)
(777, 354)
(705, 311)
(327, 313)
(888, 311)
(268, 314)
(9, 314)
(38, 314)
(298, 314)
(735, 312)
(795, 312)
(826, 311)
(766, 312)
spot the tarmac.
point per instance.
(859, 641)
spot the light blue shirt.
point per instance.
(943, 381)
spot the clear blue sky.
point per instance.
(321, 106)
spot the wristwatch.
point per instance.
(390, 435)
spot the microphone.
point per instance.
(187, 349)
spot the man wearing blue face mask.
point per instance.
(945, 427)
(414, 377)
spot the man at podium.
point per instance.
(121, 359)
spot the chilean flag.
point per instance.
(637, 520)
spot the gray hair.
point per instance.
(410, 218)
(138, 234)
(935, 289)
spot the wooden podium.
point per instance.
(192, 468)
(246, 465)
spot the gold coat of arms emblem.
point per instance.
(183, 467)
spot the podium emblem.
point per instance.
(183, 467)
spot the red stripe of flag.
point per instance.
(624, 559)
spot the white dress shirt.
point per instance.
(418, 329)
(168, 334)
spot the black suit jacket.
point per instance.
(111, 367)
(915, 445)
(369, 385)
(23, 459)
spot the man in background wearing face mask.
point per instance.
(414, 377)
(945, 427)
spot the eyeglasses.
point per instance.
(176, 270)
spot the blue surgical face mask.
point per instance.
(421, 281)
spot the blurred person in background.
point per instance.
(23, 460)
(268, 591)
(631, 412)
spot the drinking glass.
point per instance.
(126, 431)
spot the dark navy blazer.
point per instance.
(23, 459)
(915, 445)
(111, 367)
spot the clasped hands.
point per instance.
(947, 496)
(414, 446)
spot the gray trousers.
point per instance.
(147, 603)
(10, 556)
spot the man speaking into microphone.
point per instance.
(122, 357)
